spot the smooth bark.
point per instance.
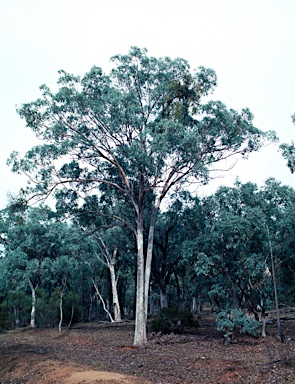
(60, 312)
(140, 336)
(33, 308)
(116, 304)
(61, 295)
(102, 301)
(110, 262)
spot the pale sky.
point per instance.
(250, 44)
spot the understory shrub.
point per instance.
(231, 320)
(5, 320)
(172, 320)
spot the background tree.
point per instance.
(28, 243)
(104, 221)
(236, 245)
(288, 152)
(278, 208)
(166, 249)
(40, 252)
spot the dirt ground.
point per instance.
(103, 353)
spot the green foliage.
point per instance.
(5, 319)
(48, 314)
(288, 151)
(172, 320)
(73, 302)
(232, 250)
(146, 117)
(47, 308)
(231, 320)
(19, 304)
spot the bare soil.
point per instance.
(103, 353)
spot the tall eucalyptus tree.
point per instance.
(142, 130)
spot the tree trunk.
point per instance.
(110, 261)
(194, 306)
(72, 314)
(199, 305)
(92, 298)
(143, 274)
(140, 317)
(263, 320)
(163, 299)
(102, 301)
(116, 304)
(61, 295)
(177, 288)
(275, 287)
(148, 266)
(60, 311)
(33, 310)
(16, 316)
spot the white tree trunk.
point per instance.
(140, 317)
(33, 308)
(102, 301)
(60, 311)
(110, 261)
(148, 267)
(61, 295)
(263, 320)
(143, 275)
(116, 304)
(16, 316)
(194, 306)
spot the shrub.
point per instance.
(235, 319)
(5, 320)
(172, 320)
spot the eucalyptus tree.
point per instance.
(40, 251)
(247, 246)
(166, 249)
(278, 202)
(193, 221)
(112, 241)
(174, 228)
(288, 151)
(143, 130)
(27, 244)
(112, 252)
(235, 252)
(62, 268)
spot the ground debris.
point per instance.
(45, 356)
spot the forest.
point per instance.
(122, 156)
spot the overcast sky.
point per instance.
(250, 44)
